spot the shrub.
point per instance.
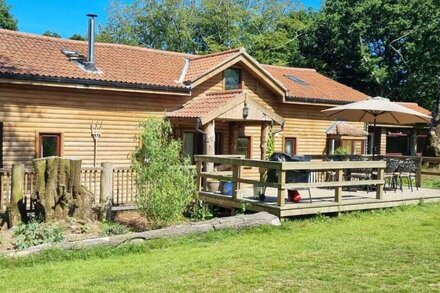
(342, 151)
(112, 228)
(199, 210)
(34, 233)
(164, 180)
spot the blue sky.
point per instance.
(67, 17)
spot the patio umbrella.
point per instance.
(375, 110)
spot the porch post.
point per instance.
(209, 143)
(233, 138)
(265, 127)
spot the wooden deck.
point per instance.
(323, 201)
(339, 192)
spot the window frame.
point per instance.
(249, 146)
(38, 142)
(295, 144)
(240, 79)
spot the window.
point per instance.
(290, 146)
(244, 146)
(232, 79)
(296, 80)
(49, 144)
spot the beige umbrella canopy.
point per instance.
(375, 110)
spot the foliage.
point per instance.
(113, 228)
(381, 47)
(353, 246)
(51, 34)
(34, 233)
(341, 151)
(270, 149)
(77, 37)
(165, 180)
(199, 210)
(7, 20)
(269, 30)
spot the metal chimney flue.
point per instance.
(91, 40)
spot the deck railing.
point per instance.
(338, 168)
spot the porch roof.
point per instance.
(343, 128)
(225, 105)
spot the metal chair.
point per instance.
(391, 174)
(408, 169)
(361, 173)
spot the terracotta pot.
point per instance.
(213, 186)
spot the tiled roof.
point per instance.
(201, 65)
(345, 129)
(32, 55)
(308, 84)
(202, 105)
(415, 107)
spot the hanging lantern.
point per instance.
(245, 110)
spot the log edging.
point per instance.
(235, 222)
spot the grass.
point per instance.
(388, 250)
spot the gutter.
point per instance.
(88, 82)
(315, 101)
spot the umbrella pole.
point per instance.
(372, 139)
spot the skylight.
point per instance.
(296, 80)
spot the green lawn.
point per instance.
(392, 250)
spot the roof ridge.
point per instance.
(62, 40)
(288, 67)
(198, 57)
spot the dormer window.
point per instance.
(232, 79)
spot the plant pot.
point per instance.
(227, 187)
(257, 190)
(213, 186)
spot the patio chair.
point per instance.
(408, 169)
(391, 174)
(359, 174)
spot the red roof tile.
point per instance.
(201, 65)
(202, 105)
(26, 54)
(415, 107)
(309, 84)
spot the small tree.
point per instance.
(164, 180)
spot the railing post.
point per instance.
(379, 186)
(17, 192)
(338, 190)
(106, 188)
(198, 177)
(282, 192)
(419, 174)
(235, 178)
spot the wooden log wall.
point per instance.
(26, 110)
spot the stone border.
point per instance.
(235, 222)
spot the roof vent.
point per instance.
(73, 55)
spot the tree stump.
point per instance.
(58, 191)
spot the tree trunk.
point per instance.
(58, 191)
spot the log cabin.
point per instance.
(86, 100)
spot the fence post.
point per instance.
(106, 188)
(338, 190)
(379, 187)
(198, 177)
(17, 192)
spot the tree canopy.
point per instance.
(7, 21)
